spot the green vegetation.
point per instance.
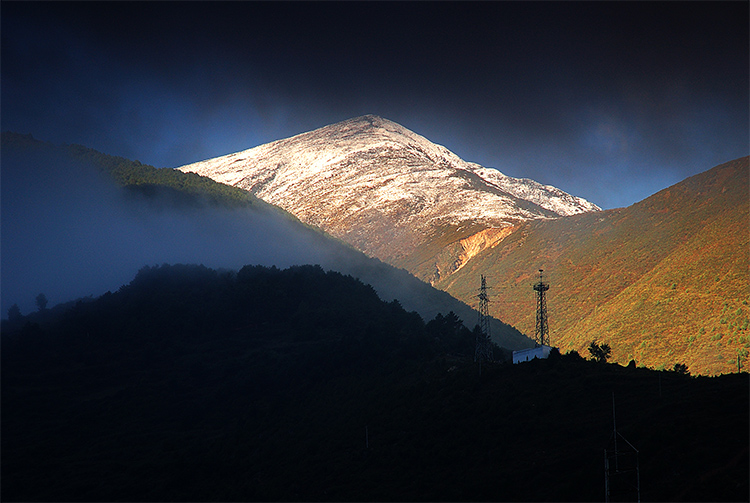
(142, 179)
(300, 385)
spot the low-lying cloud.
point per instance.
(68, 232)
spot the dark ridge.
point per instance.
(191, 384)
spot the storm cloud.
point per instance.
(610, 101)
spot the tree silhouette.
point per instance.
(600, 353)
(41, 301)
(14, 312)
(681, 368)
(451, 334)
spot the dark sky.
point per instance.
(609, 101)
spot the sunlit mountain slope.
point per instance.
(662, 281)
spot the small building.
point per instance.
(525, 355)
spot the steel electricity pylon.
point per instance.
(541, 336)
(483, 351)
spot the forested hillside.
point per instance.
(185, 188)
(174, 217)
(191, 384)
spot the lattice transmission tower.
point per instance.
(483, 351)
(541, 336)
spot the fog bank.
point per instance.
(69, 232)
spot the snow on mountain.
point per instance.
(546, 196)
(382, 187)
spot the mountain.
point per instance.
(663, 281)
(200, 215)
(387, 190)
(192, 384)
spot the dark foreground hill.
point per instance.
(191, 384)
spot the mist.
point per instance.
(69, 232)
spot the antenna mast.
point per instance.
(483, 350)
(541, 336)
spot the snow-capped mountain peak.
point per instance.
(382, 187)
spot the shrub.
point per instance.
(600, 353)
(681, 368)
